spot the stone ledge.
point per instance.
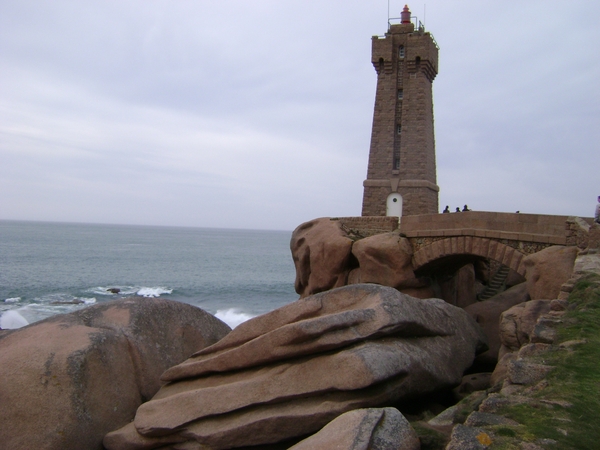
(489, 234)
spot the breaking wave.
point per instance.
(233, 316)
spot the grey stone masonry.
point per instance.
(402, 152)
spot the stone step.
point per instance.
(495, 284)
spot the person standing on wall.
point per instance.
(597, 215)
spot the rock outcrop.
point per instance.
(529, 332)
(326, 257)
(516, 327)
(548, 269)
(384, 259)
(487, 314)
(364, 429)
(70, 379)
(518, 323)
(321, 251)
(288, 373)
(459, 289)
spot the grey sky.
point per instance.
(257, 114)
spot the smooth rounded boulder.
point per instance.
(321, 251)
(547, 270)
(385, 259)
(69, 379)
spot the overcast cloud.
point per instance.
(257, 114)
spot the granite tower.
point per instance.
(401, 175)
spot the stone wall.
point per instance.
(578, 232)
(359, 227)
(546, 229)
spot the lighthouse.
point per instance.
(401, 173)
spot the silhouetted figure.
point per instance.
(447, 210)
(466, 208)
(597, 215)
(457, 209)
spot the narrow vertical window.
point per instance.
(401, 51)
(399, 129)
(396, 162)
(400, 94)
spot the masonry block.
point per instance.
(499, 252)
(447, 243)
(468, 244)
(508, 255)
(460, 244)
(515, 262)
(511, 236)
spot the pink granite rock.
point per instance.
(518, 322)
(547, 270)
(364, 429)
(68, 380)
(385, 259)
(289, 372)
(460, 289)
(487, 314)
(321, 254)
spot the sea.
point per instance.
(56, 268)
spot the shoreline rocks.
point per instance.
(291, 371)
(70, 379)
(374, 429)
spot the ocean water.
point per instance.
(54, 268)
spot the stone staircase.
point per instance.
(496, 284)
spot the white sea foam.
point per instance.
(233, 316)
(12, 319)
(12, 300)
(43, 309)
(153, 291)
(106, 290)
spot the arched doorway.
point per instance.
(394, 205)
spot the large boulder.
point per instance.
(326, 257)
(487, 314)
(518, 323)
(459, 289)
(289, 372)
(548, 269)
(321, 251)
(68, 380)
(364, 429)
(384, 259)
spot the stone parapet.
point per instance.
(367, 225)
(491, 225)
(579, 230)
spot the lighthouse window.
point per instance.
(401, 52)
(400, 94)
(399, 129)
(396, 162)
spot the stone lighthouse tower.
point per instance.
(401, 176)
